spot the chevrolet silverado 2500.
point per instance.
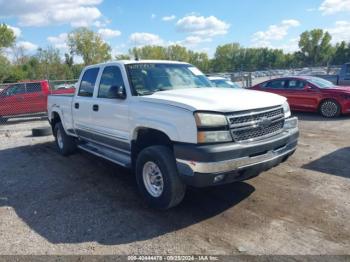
(164, 120)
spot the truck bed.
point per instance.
(62, 103)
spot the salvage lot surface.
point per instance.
(84, 205)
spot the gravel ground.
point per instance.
(51, 204)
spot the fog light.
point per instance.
(218, 178)
(291, 123)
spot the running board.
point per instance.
(114, 156)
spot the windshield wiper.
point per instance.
(148, 92)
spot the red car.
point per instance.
(311, 94)
(27, 98)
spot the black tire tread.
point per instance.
(164, 158)
(69, 143)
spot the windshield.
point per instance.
(321, 83)
(149, 78)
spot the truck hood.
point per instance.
(216, 99)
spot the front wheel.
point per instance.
(330, 108)
(66, 144)
(157, 177)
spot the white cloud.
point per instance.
(192, 41)
(107, 33)
(340, 31)
(27, 46)
(45, 12)
(153, 16)
(16, 31)
(59, 42)
(329, 7)
(169, 18)
(273, 33)
(142, 39)
(202, 26)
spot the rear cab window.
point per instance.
(88, 81)
(33, 87)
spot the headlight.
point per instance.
(204, 120)
(212, 128)
(213, 136)
(291, 123)
(286, 110)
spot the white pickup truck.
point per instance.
(164, 120)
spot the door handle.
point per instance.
(95, 107)
(76, 105)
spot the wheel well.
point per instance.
(55, 119)
(148, 137)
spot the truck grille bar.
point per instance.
(256, 124)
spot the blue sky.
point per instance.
(200, 25)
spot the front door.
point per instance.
(110, 114)
(301, 96)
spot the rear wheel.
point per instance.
(66, 145)
(330, 108)
(157, 177)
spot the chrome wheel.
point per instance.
(153, 179)
(59, 139)
(329, 109)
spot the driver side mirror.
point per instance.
(118, 92)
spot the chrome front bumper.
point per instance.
(217, 159)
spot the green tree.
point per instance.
(341, 53)
(89, 45)
(7, 37)
(315, 46)
(122, 57)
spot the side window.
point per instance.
(33, 87)
(16, 90)
(88, 82)
(276, 84)
(296, 84)
(111, 79)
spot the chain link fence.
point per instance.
(27, 100)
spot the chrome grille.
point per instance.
(256, 124)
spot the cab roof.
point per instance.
(128, 62)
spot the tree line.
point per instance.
(315, 49)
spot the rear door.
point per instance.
(34, 98)
(110, 114)
(12, 101)
(83, 102)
